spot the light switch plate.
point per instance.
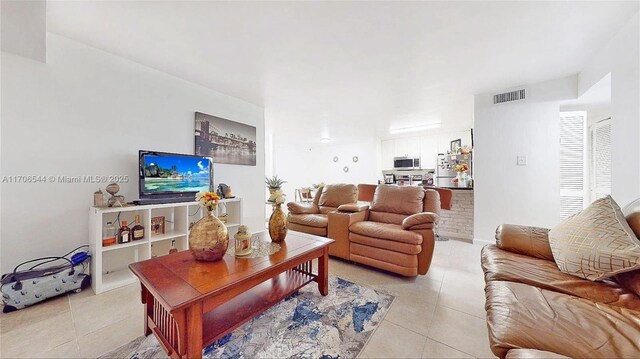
(521, 160)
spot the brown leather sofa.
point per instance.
(396, 234)
(312, 217)
(536, 311)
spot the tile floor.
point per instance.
(440, 315)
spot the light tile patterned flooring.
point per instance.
(440, 315)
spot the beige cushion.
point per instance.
(532, 354)
(595, 244)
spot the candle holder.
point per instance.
(243, 242)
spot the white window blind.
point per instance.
(600, 159)
(572, 163)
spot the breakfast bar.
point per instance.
(458, 221)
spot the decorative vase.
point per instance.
(462, 179)
(277, 224)
(208, 239)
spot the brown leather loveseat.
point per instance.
(536, 311)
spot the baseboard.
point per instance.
(463, 237)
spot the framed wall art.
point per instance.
(455, 145)
(225, 141)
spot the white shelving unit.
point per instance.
(109, 265)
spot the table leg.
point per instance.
(323, 272)
(147, 300)
(194, 330)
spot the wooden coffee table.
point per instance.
(191, 304)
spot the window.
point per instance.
(572, 162)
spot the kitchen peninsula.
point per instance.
(458, 221)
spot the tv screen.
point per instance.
(173, 174)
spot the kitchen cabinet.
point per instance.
(388, 150)
(428, 151)
(407, 147)
(426, 146)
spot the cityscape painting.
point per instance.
(225, 141)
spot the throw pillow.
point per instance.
(595, 244)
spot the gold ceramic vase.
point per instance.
(208, 239)
(277, 224)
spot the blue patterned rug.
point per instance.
(305, 325)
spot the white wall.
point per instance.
(86, 112)
(621, 57)
(505, 192)
(303, 165)
(23, 28)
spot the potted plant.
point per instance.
(274, 184)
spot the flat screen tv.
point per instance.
(173, 177)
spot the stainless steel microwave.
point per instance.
(406, 163)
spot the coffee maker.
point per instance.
(389, 178)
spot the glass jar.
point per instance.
(108, 234)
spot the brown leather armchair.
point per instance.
(312, 217)
(397, 234)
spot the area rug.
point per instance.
(305, 325)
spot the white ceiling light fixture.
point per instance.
(325, 140)
(431, 126)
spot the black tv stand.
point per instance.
(145, 201)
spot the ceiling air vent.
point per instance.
(509, 96)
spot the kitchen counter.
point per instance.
(457, 188)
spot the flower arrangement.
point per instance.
(208, 200)
(316, 186)
(277, 197)
(462, 167)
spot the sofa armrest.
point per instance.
(353, 207)
(527, 240)
(338, 230)
(422, 220)
(299, 208)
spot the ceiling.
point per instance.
(346, 69)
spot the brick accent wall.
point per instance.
(458, 222)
